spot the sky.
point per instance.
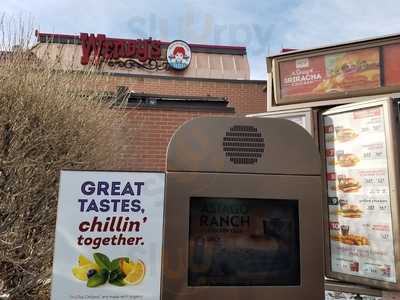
(263, 26)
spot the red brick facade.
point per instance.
(148, 136)
(246, 96)
(149, 130)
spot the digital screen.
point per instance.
(243, 242)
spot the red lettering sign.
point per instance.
(107, 48)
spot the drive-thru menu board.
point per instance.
(361, 238)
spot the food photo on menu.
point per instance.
(343, 135)
(345, 185)
(347, 160)
(346, 237)
(347, 210)
(343, 160)
(348, 185)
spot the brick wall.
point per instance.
(147, 133)
(148, 130)
(246, 96)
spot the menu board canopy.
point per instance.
(328, 75)
(361, 195)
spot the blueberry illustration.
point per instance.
(91, 272)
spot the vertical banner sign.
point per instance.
(108, 235)
(360, 222)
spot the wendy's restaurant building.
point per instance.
(166, 84)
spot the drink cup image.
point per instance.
(354, 266)
(342, 203)
(345, 229)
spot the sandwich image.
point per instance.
(347, 160)
(362, 64)
(328, 85)
(350, 211)
(345, 134)
(351, 70)
(348, 185)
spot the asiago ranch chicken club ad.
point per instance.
(108, 235)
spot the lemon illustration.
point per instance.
(85, 268)
(134, 271)
(83, 260)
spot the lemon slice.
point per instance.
(127, 267)
(83, 260)
(84, 265)
(80, 272)
(136, 274)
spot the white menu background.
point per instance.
(361, 242)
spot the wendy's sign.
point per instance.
(108, 48)
(179, 55)
(139, 53)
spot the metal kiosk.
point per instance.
(243, 211)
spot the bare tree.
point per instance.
(49, 120)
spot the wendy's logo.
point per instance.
(179, 55)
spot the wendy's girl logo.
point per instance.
(179, 55)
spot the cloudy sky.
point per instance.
(263, 26)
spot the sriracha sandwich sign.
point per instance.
(108, 235)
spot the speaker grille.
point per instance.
(243, 144)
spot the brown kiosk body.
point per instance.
(243, 211)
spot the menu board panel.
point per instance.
(360, 223)
(334, 295)
(332, 73)
(243, 242)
